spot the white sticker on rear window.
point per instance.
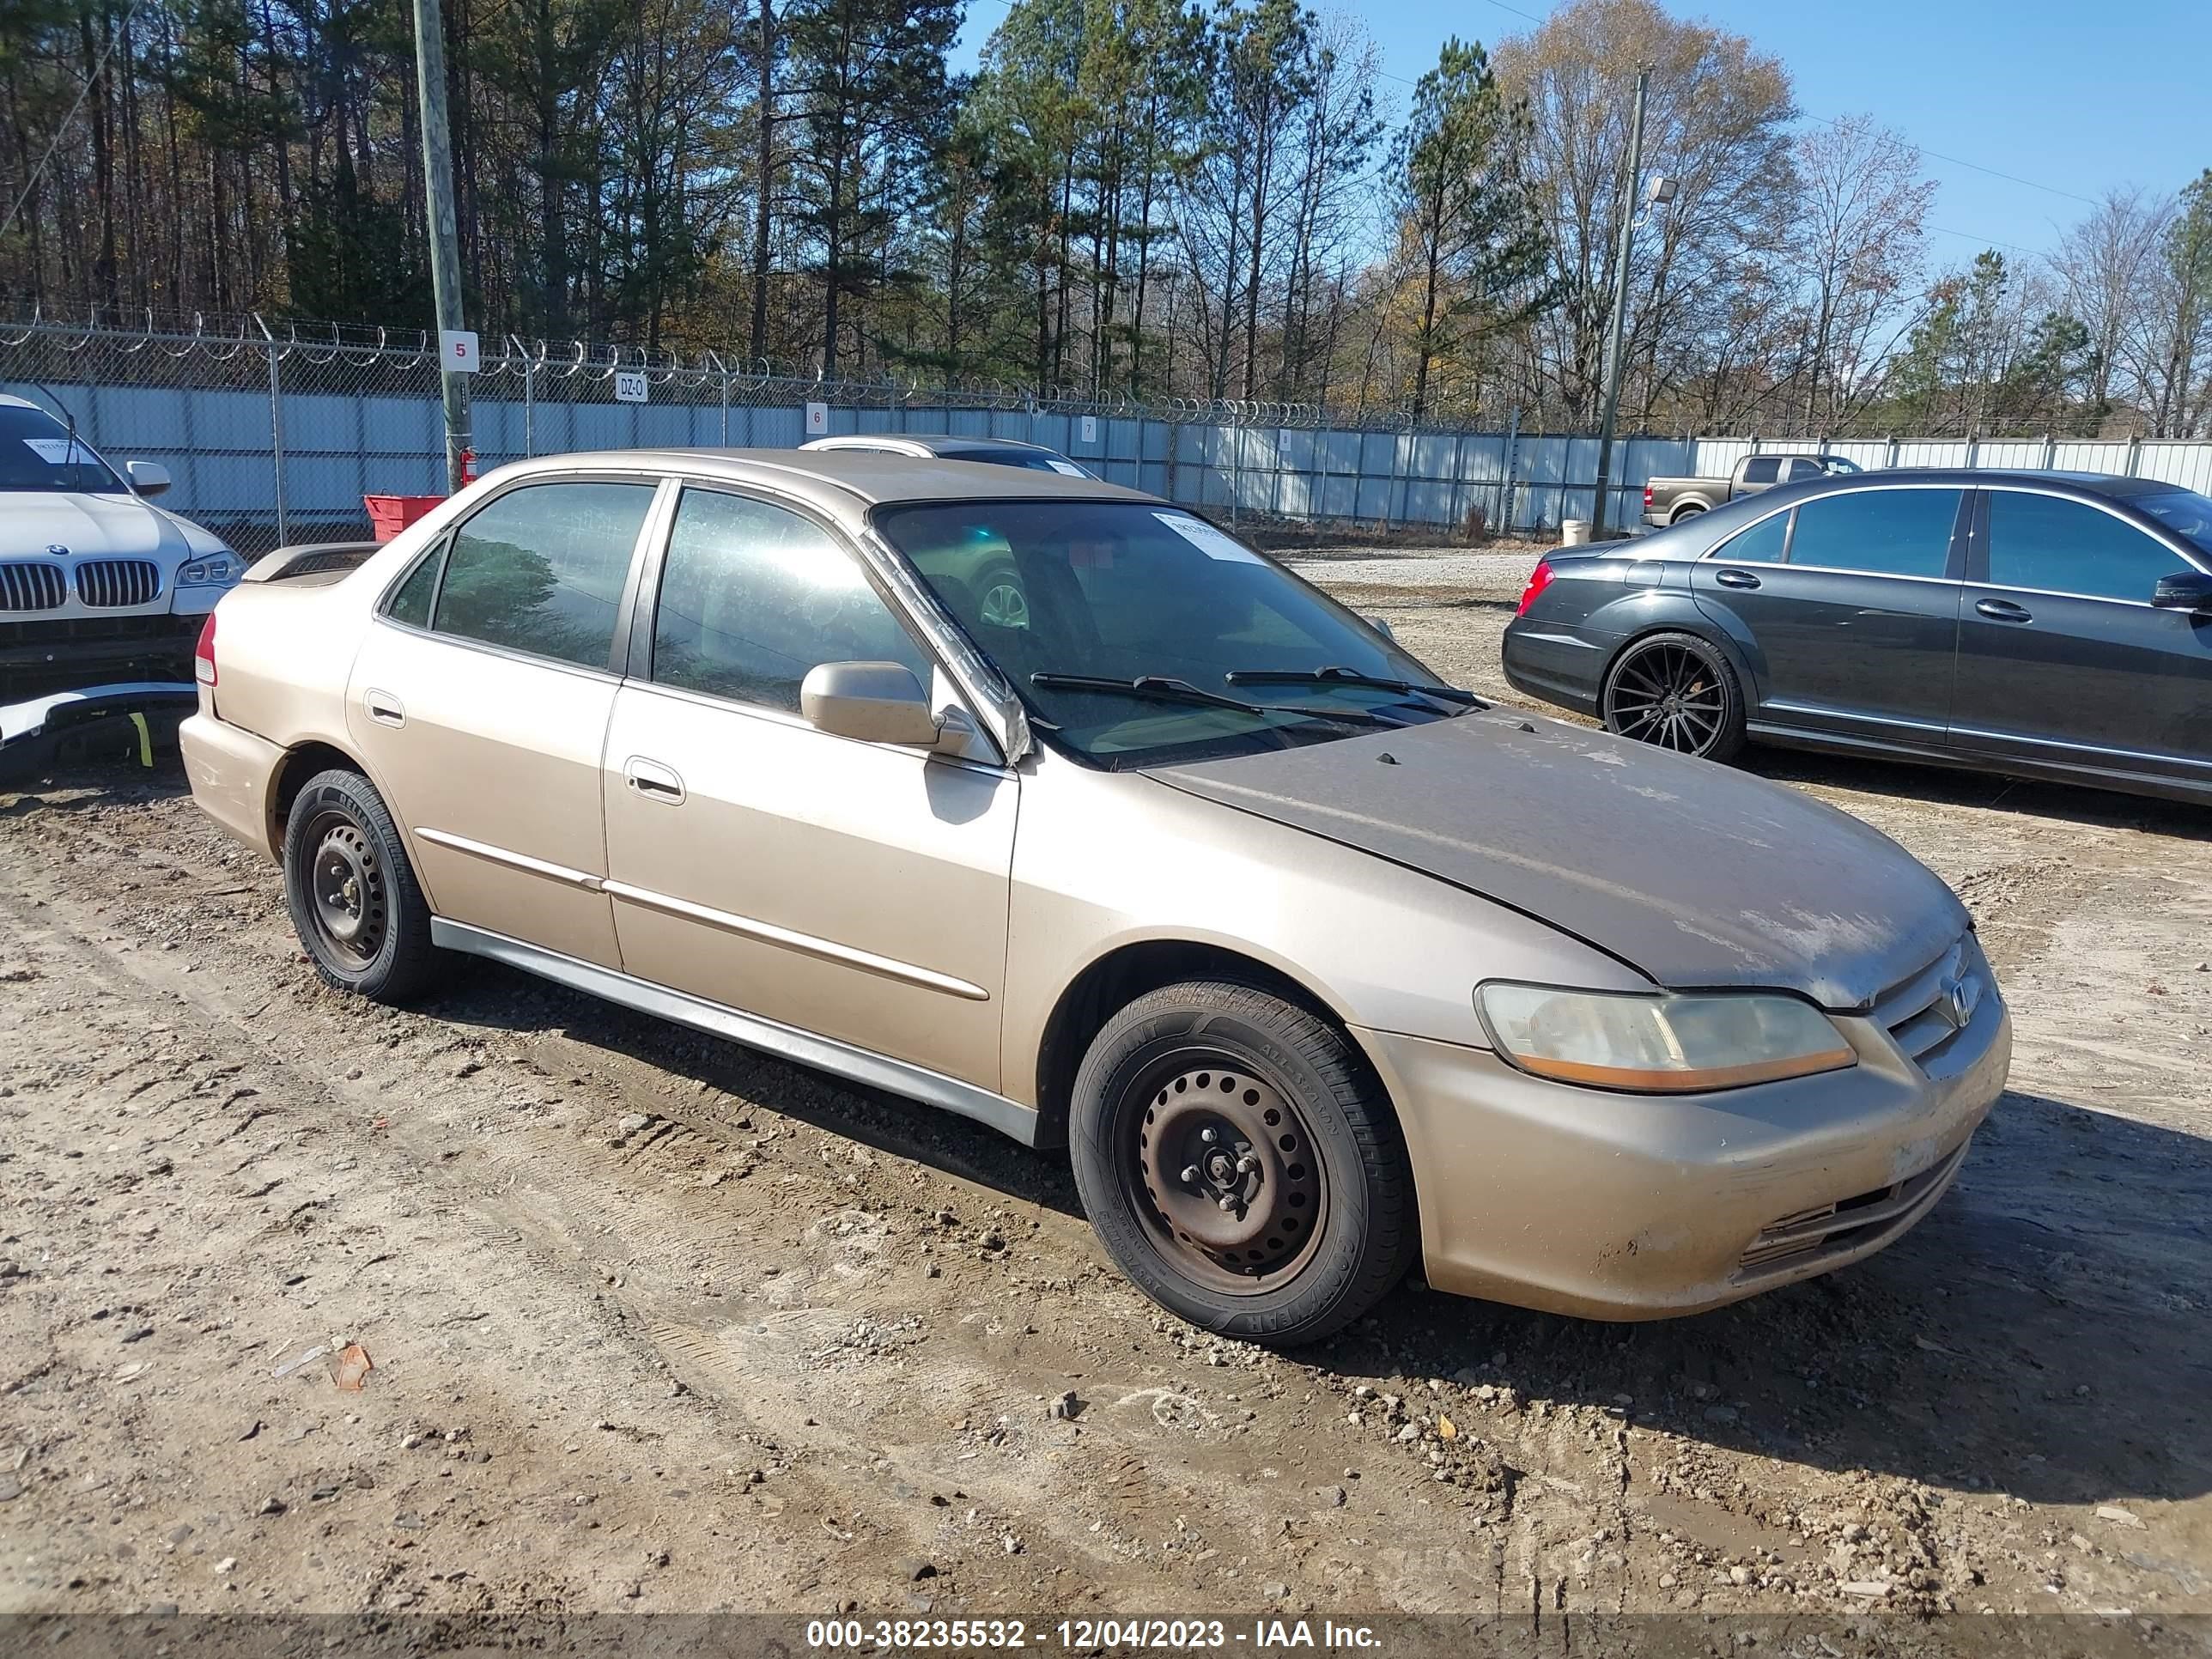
(1068, 467)
(1208, 540)
(55, 452)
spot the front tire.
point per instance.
(1239, 1161)
(1675, 691)
(355, 904)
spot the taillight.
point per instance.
(1539, 579)
(203, 653)
(1647, 498)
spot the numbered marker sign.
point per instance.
(1090, 428)
(457, 350)
(817, 420)
(630, 386)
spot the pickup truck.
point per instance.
(1670, 500)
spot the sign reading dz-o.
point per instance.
(630, 386)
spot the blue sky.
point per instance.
(2073, 97)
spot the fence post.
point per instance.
(1452, 514)
(275, 427)
(2049, 452)
(1973, 451)
(1512, 458)
(1390, 488)
(2134, 455)
(1237, 469)
(1891, 460)
(529, 404)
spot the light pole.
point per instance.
(1662, 189)
(441, 223)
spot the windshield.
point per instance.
(2184, 512)
(36, 454)
(1123, 592)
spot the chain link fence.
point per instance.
(274, 432)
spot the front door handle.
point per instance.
(653, 781)
(2002, 610)
(383, 708)
(1737, 578)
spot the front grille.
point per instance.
(32, 587)
(1835, 1229)
(1922, 1011)
(113, 584)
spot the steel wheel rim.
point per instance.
(1669, 696)
(1242, 1211)
(345, 889)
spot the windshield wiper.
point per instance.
(1336, 676)
(1161, 688)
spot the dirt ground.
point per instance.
(658, 1323)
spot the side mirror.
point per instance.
(874, 701)
(149, 478)
(2189, 591)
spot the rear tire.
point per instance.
(1241, 1165)
(1685, 515)
(355, 904)
(1675, 691)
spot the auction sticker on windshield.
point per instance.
(58, 451)
(1208, 540)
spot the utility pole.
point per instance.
(1628, 210)
(445, 233)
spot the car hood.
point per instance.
(32, 520)
(1693, 874)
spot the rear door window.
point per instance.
(1887, 533)
(541, 569)
(1763, 544)
(2060, 546)
(1762, 472)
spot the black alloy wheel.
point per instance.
(1674, 691)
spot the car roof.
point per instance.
(937, 443)
(844, 483)
(2099, 484)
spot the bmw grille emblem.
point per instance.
(57, 549)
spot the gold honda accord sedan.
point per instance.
(1049, 803)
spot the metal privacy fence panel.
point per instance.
(271, 436)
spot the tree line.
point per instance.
(1141, 199)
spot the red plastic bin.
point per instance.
(389, 514)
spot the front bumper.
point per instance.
(43, 654)
(1618, 1206)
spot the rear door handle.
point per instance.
(1737, 578)
(2002, 610)
(653, 781)
(383, 708)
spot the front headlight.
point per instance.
(216, 570)
(1659, 1044)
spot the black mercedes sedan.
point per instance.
(2046, 624)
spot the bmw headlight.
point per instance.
(215, 570)
(1659, 1044)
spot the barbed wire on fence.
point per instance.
(275, 428)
